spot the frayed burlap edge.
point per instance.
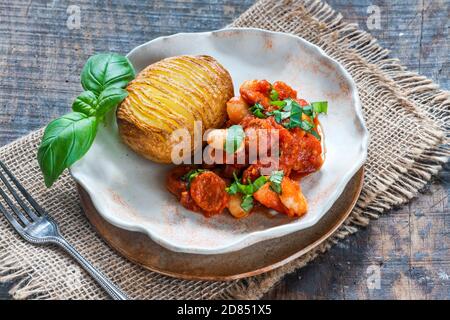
(28, 284)
(408, 178)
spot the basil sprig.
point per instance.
(247, 190)
(67, 139)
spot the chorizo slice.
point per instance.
(208, 192)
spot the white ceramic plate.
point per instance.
(129, 191)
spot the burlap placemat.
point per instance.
(406, 114)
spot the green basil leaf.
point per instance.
(276, 187)
(276, 114)
(275, 180)
(235, 137)
(65, 141)
(308, 110)
(245, 188)
(296, 113)
(278, 103)
(247, 203)
(309, 127)
(109, 98)
(274, 95)
(315, 134)
(237, 186)
(232, 189)
(279, 116)
(259, 114)
(258, 183)
(306, 125)
(287, 105)
(106, 70)
(258, 111)
(320, 106)
(284, 115)
(85, 103)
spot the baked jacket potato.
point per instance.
(171, 94)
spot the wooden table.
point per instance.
(40, 63)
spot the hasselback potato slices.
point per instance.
(172, 94)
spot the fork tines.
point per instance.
(25, 214)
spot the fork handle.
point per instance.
(101, 279)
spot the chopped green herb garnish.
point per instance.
(315, 134)
(188, 177)
(274, 95)
(308, 110)
(306, 125)
(235, 187)
(232, 189)
(247, 203)
(258, 183)
(291, 109)
(296, 113)
(320, 106)
(275, 180)
(258, 111)
(249, 188)
(235, 137)
(279, 115)
(278, 103)
(288, 104)
(246, 190)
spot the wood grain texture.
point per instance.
(40, 63)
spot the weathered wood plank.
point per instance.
(41, 58)
(40, 62)
(411, 246)
(416, 31)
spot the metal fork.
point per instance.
(37, 227)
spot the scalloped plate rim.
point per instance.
(256, 236)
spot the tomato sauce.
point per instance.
(202, 188)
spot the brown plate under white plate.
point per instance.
(255, 259)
